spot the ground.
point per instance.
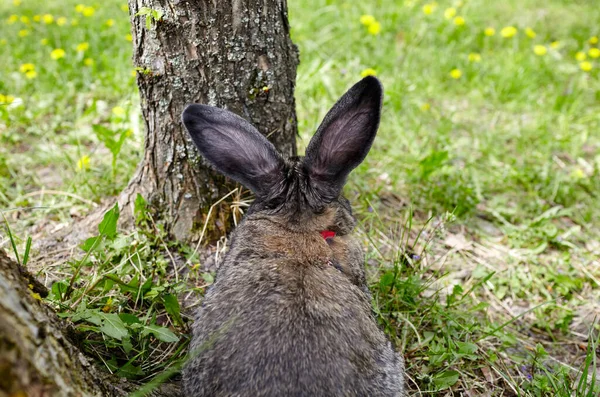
(478, 203)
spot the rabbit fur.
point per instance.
(290, 313)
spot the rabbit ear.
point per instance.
(344, 138)
(234, 147)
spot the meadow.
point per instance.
(478, 204)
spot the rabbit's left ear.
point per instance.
(235, 147)
(344, 138)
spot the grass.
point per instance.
(478, 203)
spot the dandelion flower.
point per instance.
(530, 33)
(133, 73)
(25, 19)
(88, 11)
(428, 9)
(84, 162)
(79, 8)
(474, 57)
(13, 18)
(88, 62)
(37, 18)
(32, 74)
(367, 20)
(456, 74)
(594, 53)
(489, 31)
(580, 56)
(374, 28)
(26, 67)
(593, 40)
(585, 66)
(74, 22)
(62, 21)
(44, 41)
(368, 72)
(450, 13)
(57, 53)
(124, 7)
(48, 19)
(459, 21)
(17, 3)
(118, 111)
(23, 33)
(540, 50)
(508, 32)
(425, 107)
(6, 99)
(81, 47)
(129, 37)
(555, 44)
(110, 22)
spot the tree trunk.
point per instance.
(233, 54)
(37, 356)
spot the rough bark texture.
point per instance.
(37, 356)
(234, 54)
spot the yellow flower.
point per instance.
(367, 20)
(474, 57)
(118, 111)
(459, 21)
(593, 40)
(61, 21)
(555, 44)
(580, 56)
(74, 22)
(124, 7)
(88, 11)
(374, 28)
(449, 13)
(489, 31)
(428, 8)
(84, 162)
(530, 33)
(48, 19)
(6, 99)
(368, 72)
(23, 32)
(13, 18)
(17, 3)
(79, 8)
(456, 74)
(133, 73)
(110, 22)
(57, 53)
(44, 41)
(425, 107)
(26, 67)
(25, 19)
(32, 74)
(88, 62)
(37, 18)
(508, 31)
(594, 53)
(83, 46)
(540, 50)
(129, 37)
(585, 66)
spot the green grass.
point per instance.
(478, 203)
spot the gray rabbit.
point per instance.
(289, 313)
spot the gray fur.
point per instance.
(289, 313)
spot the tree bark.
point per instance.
(37, 355)
(233, 54)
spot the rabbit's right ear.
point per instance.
(234, 147)
(344, 138)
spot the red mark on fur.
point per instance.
(327, 234)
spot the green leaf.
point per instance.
(129, 318)
(139, 208)
(59, 289)
(387, 279)
(108, 226)
(466, 347)
(445, 379)
(113, 326)
(90, 243)
(433, 162)
(172, 307)
(161, 333)
(130, 371)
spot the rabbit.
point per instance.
(289, 313)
